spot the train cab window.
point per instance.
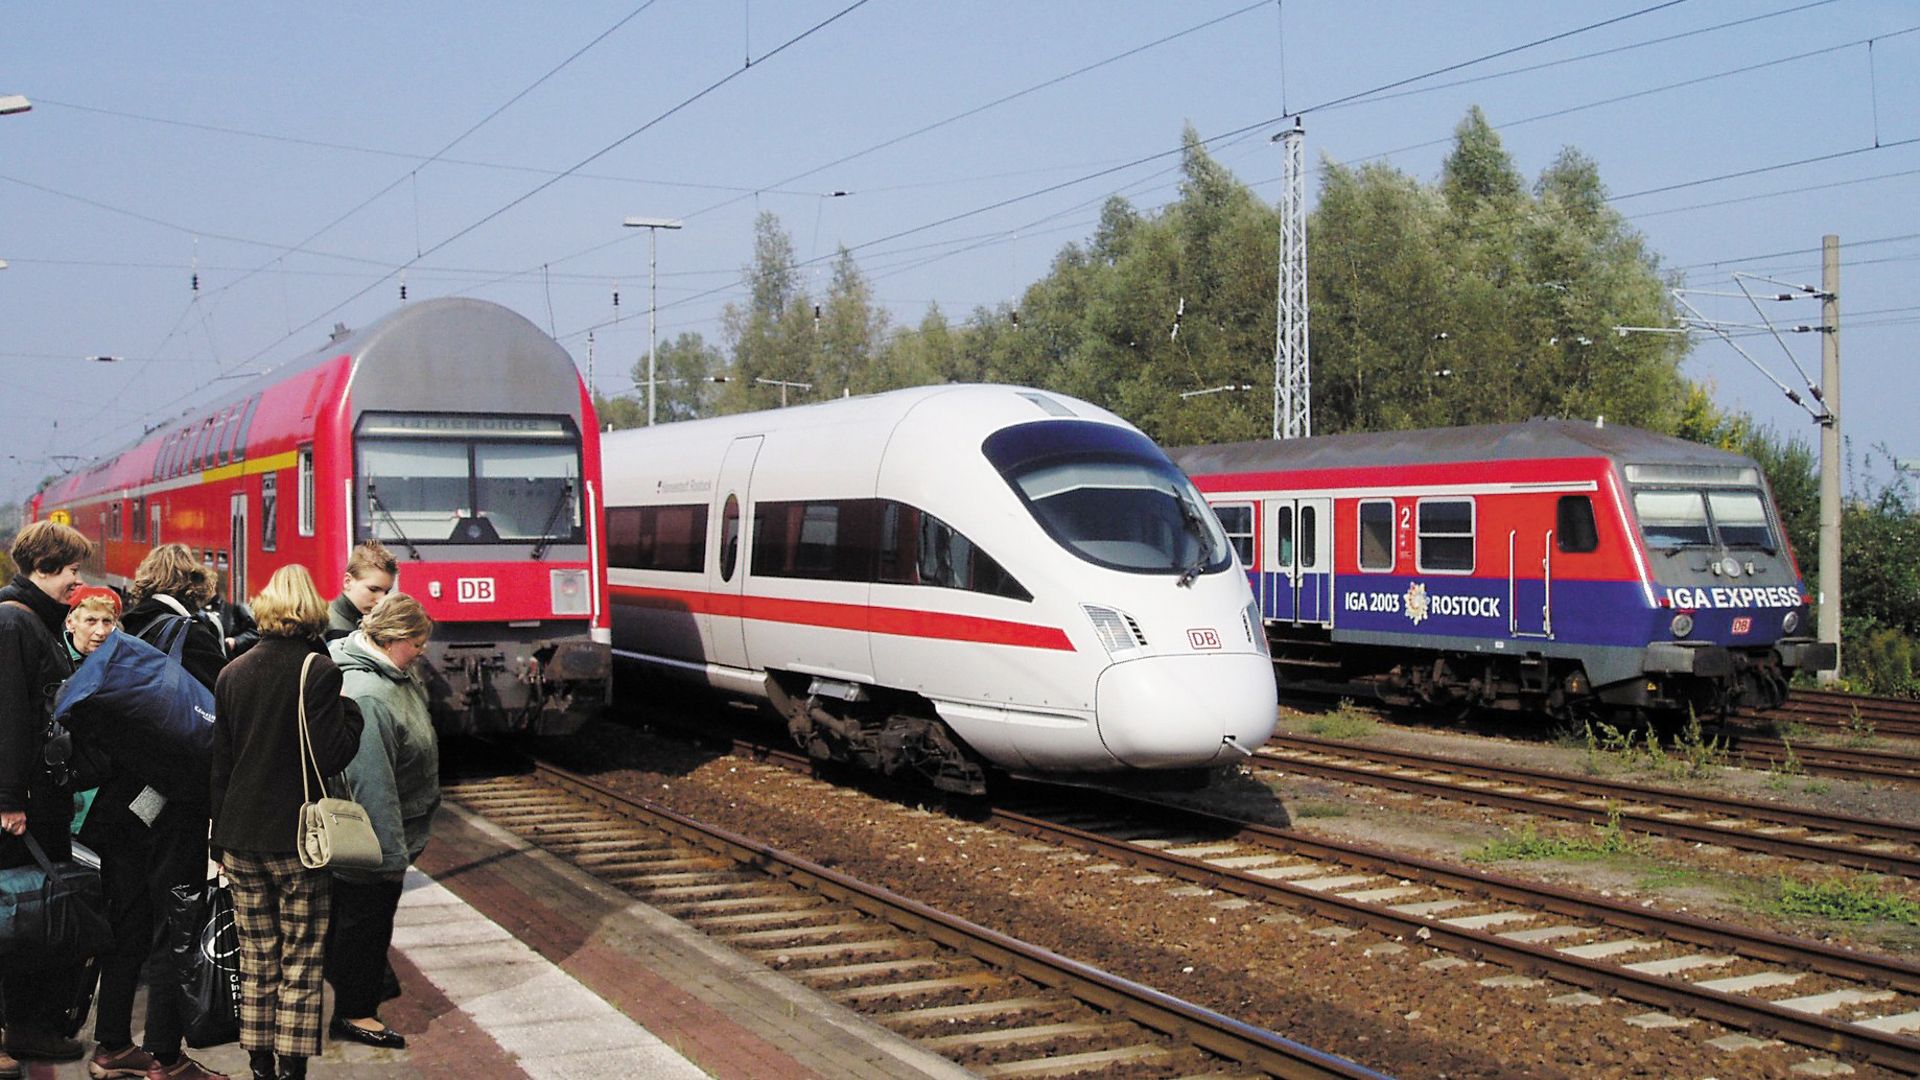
(729, 537)
(1672, 519)
(1740, 518)
(471, 479)
(1445, 535)
(1236, 519)
(1376, 534)
(1574, 530)
(658, 537)
(917, 548)
(269, 512)
(303, 492)
(1110, 497)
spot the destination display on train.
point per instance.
(462, 426)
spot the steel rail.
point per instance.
(1827, 708)
(1213, 1032)
(1655, 823)
(1677, 995)
(1849, 762)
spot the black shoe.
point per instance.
(261, 1064)
(293, 1068)
(386, 1038)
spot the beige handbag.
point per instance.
(334, 834)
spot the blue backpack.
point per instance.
(142, 707)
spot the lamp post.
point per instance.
(653, 227)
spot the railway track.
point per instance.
(1858, 1005)
(1862, 843)
(996, 1005)
(1842, 762)
(1844, 712)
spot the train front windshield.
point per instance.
(446, 479)
(1706, 515)
(1110, 496)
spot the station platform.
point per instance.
(515, 963)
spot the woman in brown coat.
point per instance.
(280, 906)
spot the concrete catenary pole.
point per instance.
(1829, 621)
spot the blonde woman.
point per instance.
(396, 776)
(281, 906)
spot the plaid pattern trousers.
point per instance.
(281, 909)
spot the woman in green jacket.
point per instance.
(396, 776)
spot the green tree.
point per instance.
(685, 368)
(772, 336)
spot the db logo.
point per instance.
(1203, 639)
(1743, 625)
(475, 590)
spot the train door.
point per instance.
(1299, 565)
(237, 544)
(1530, 583)
(727, 571)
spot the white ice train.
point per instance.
(941, 581)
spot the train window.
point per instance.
(729, 537)
(1672, 519)
(1110, 497)
(1446, 535)
(1283, 538)
(304, 492)
(115, 513)
(269, 512)
(229, 427)
(153, 530)
(1740, 517)
(245, 425)
(917, 548)
(1309, 541)
(1574, 530)
(140, 518)
(658, 537)
(1237, 521)
(433, 478)
(821, 541)
(1376, 534)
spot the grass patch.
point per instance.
(1861, 898)
(1345, 722)
(1668, 877)
(1531, 845)
(1318, 810)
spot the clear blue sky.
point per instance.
(289, 151)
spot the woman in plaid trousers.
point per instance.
(280, 906)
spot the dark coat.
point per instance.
(234, 622)
(33, 664)
(256, 791)
(342, 618)
(203, 658)
(204, 654)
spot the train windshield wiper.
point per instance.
(373, 498)
(1198, 528)
(546, 531)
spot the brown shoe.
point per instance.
(9, 1068)
(131, 1061)
(184, 1069)
(24, 1042)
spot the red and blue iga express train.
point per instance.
(1550, 565)
(454, 432)
(942, 581)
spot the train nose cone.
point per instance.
(1179, 712)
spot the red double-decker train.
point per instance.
(456, 433)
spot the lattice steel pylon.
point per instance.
(1292, 377)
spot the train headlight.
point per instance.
(1682, 625)
(570, 592)
(1791, 623)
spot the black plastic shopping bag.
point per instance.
(206, 954)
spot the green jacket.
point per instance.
(396, 773)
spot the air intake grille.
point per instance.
(1118, 631)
